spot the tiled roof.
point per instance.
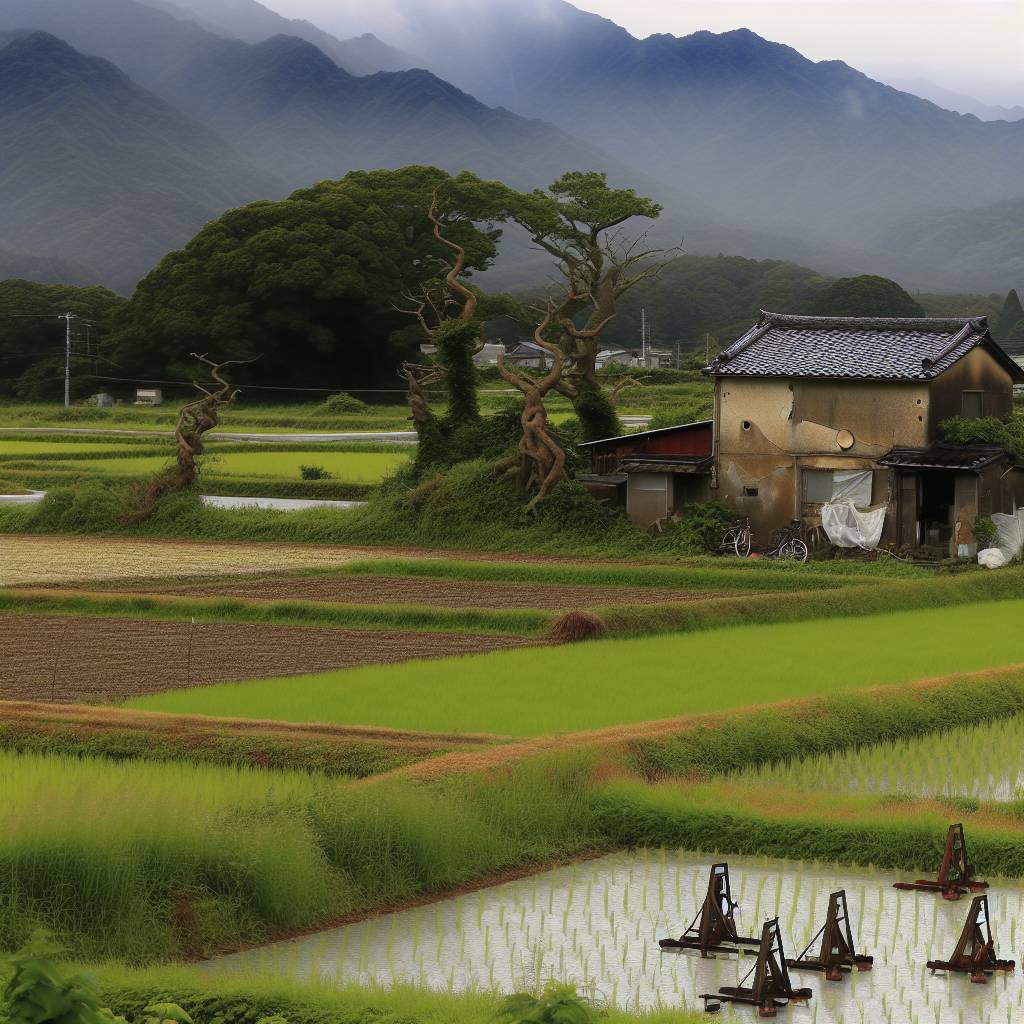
(941, 455)
(866, 348)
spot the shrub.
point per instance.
(575, 626)
(314, 473)
(557, 1004)
(692, 413)
(342, 403)
(985, 532)
(702, 529)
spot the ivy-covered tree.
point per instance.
(577, 221)
(310, 281)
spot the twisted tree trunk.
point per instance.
(539, 463)
(194, 421)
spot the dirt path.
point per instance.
(82, 658)
(366, 589)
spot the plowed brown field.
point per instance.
(81, 658)
(365, 589)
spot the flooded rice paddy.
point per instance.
(985, 762)
(596, 925)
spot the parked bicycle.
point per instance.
(786, 543)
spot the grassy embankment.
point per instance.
(216, 1000)
(536, 691)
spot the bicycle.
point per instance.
(738, 539)
(788, 544)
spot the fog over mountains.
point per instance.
(753, 149)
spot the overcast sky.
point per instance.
(977, 45)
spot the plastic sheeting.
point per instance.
(1010, 533)
(848, 527)
(992, 558)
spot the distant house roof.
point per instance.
(856, 348)
(529, 350)
(641, 435)
(943, 455)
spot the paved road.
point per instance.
(392, 436)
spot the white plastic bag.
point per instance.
(1010, 534)
(846, 527)
(992, 558)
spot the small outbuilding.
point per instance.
(654, 473)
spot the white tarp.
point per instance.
(1010, 533)
(853, 485)
(847, 527)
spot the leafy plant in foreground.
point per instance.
(38, 992)
(557, 1004)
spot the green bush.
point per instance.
(985, 532)
(343, 403)
(314, 473)
(701, 531)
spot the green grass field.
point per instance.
(603, 683)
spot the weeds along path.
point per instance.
(154, 736)
(89, 658)
(936, 702)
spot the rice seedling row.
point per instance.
(596, 925)
(981, 762)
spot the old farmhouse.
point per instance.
(808, 409)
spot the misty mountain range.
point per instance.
(129, 123)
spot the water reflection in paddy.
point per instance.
(597, 924)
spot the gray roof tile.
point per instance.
(865, 348)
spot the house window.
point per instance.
(971, 405)
(822, 485)
(749, 492)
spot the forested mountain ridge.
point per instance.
(97, 169)
(252, 22)
(786, 144)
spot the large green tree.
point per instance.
(311, 283)
(867, 295)
(1010, 326)
(32, 338)
(579, 220)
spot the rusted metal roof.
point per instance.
(856, 348)
(963, 457)
(641, 435)
(665, 464)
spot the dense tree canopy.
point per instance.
(1010, 326)
(32, 337)
(867, 295)
(309, 282)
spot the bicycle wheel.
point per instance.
(795, 550)
(742, 543)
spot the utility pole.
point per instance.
(643, 336)
(67, 317)
(707, 348)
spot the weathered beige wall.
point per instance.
(768, 430)
(977, 371)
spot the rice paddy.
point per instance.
(983, 762)
(612, 682)
(352, 467)
(596, 925)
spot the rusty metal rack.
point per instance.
(975, 952)
(771, 987)
(713, 930)
(956, 872)
(835, 953)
